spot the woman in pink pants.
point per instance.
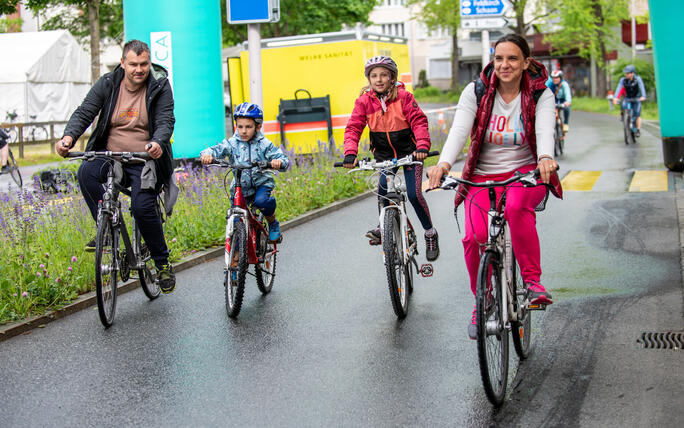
(509, 114)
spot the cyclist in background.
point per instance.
(398, 128)
(561, 90)
(4, 149)
(248, 144)
(632, 86)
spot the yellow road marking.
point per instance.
(582, 181)
(649, 181)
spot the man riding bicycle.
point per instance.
(135, 107)
(562, 93)
(4, 150)
(632, 86)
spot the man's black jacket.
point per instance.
(101, 99)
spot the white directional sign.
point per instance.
(484, 8)
(484, 23)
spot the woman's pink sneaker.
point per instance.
(537, 294)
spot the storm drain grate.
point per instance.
(662, 340)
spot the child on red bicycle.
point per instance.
(249, 145)
(398, 127)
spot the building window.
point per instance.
(425, 33)
(390, 29)
(390, 3)
(439, 68)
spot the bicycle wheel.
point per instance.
(236, 270)
(106, 252)
(521, 329)
(397, 272)
(558, 139)
(14, 169)
(147, 275)
(627, 127)
(266, 266)
(492, 337)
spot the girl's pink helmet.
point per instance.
(382, 61)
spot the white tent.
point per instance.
(44, 75)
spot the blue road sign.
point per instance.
(252, 11)
(482, 8)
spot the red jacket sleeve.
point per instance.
(417, 120)
(354, 128)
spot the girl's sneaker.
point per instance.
(537, 294)
(472, 327)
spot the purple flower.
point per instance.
(73, 259)
(42, 266)
(57, 280)
(24, 294)
(70, 269)
(173, 240)
(38, 274)
(47, 255)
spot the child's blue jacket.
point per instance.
(240, 152)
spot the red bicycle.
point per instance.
(246, 244)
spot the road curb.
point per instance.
(89, 299)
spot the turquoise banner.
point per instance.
(186, 40)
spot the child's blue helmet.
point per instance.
(249, 110)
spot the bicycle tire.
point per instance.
(106, 253)
(521, 330)
(147, 275)
(14, 169)
(264, 270)
(234, 281)
(627, 127)
(397, 272)
(558, 139)
(492, 337)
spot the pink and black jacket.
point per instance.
(529, 84)
(395, 131)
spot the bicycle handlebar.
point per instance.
(529, 179)
(126, 157)
(254, 164)
(366, 164)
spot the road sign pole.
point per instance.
(485, 48)
(254, 50)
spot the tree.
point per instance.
(591, 27)
(304, 17)
(8, 6)
(537, 11)
(85, 19)
(437, 14)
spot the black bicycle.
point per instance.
(558, 133)
(628, 120)
(110, 257)
(501, 302)
(12, 169)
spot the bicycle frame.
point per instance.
(240, 210)
(397, 201)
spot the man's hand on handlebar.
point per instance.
(64, 145)
(154, 149)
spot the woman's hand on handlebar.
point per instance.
(546, 166)
(435, 174)
(206, 159)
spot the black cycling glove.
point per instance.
(349, 159)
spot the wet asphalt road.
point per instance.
(324, 348)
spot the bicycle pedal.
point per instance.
(426, 270)
(536, 307)
(374, 242)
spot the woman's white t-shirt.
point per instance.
(505, 147)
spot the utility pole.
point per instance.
(633, 32)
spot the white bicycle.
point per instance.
(399, 243)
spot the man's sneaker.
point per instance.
(566, 128)
(166, 278)
(5, 169)
(90, 246)
(274, 231)
(431, 245)
(637, 133)
(472, 327)
(375, 236)
(537, 294)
